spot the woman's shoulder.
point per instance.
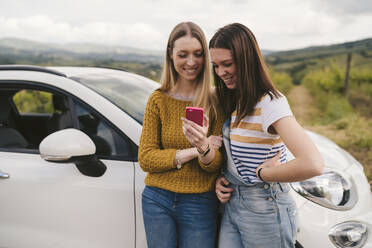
(162, 100)
(271, 98)
(155, 99)
(157, 95)
(270, 103)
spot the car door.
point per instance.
(47, 204)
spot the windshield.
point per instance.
(128, 91)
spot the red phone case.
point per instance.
(195, 114)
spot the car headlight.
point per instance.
(330, 190)
(349, 234)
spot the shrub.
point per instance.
(361, 75)
(358, 132)
(282, 81)
(337, 107)
(326, 85)
(329, 79)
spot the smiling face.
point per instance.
(224, 66)
(188, 57)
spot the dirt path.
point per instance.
(302, 104)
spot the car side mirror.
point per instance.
(72, 145)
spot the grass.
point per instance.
(352, 131)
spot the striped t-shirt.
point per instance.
(251, 143)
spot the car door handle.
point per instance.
(4, 175)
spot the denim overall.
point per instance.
(262, 215)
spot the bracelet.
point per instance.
(178, 162)
(206, 152)
(259, 174)
(203, 154)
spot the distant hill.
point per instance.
(22, 49)
(266, 52)
(359, 46)
(298, 62)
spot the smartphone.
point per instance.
(195, 114)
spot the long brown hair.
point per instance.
(253, 80)
(203, 96)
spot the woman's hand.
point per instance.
(222, 191)
(215, 141)
(269, 163)
(195, 134)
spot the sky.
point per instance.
(146, 24)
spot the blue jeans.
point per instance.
(260, 216)
(179, 220)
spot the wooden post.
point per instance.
(347, 75)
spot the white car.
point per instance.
(69, 174)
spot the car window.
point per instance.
(108, 142)
(129, 92)
(27, 116)
(33, 102)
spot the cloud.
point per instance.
(283, 24)
(43, 28)
(342, 7)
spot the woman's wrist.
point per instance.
(203, 148)
(259, 174)
(204, 152)
(177, 160)
(208, 157)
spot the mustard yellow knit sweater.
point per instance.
(162, 136)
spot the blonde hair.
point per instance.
(202, 97)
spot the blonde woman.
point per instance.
(179, 204)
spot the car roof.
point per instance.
(30, 68)
(65, 71)
(73, 71)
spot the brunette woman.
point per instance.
(259, 211)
